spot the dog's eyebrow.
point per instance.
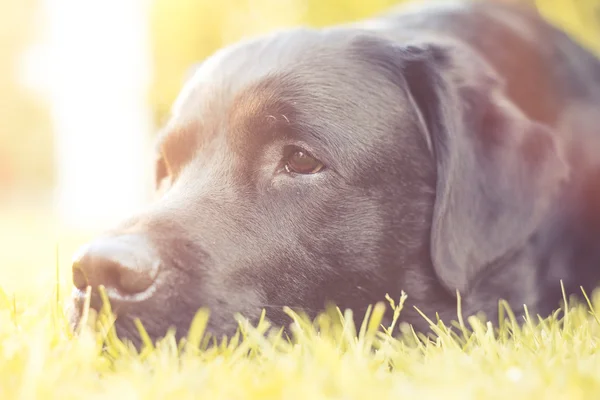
(265, 112)
(177, 144)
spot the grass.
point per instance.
(40, 358)
(555, 358)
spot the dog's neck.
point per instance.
(565, 248)
(569, 248)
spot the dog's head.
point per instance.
(309, 167)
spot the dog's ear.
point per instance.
(496, 169)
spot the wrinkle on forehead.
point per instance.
(264, 109)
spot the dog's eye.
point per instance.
(300, 162)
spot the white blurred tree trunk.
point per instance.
(100, 73)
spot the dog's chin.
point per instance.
(128, 332)
(124, 326)
(154, 326)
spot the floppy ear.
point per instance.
(497, 170)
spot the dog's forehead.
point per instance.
(307, 53)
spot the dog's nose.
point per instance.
(125, 264)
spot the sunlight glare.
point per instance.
(100, 70)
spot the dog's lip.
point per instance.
(75, 308)
(119, 304)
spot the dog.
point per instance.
(440, 149)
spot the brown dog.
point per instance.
(437, 149)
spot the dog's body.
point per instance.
(452, 147)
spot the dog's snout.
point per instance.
(125, 264)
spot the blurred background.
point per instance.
(78, 76)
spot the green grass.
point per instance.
(555, 358)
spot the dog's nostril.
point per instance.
(126, 264)
(132, 281)
(79, 279)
